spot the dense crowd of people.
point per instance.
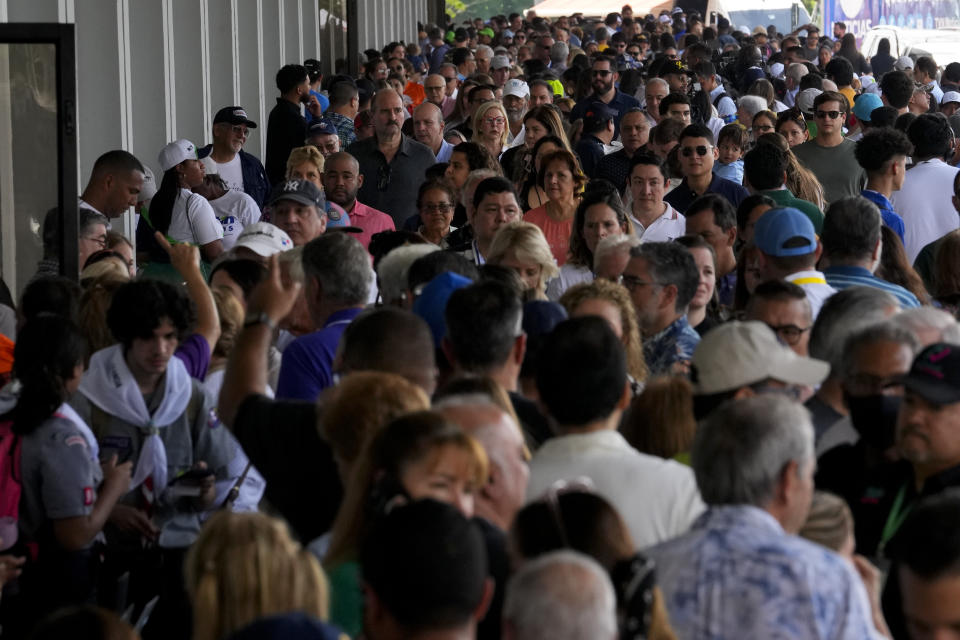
(572, 329)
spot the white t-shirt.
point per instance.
(235, 210)
(232, 173)
(193, 220)
(924, 204)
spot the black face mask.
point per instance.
(875, 418)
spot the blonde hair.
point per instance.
(829, 523)
(92, 317)
(528, 243)
(616, 295)
(362, 404)
(245, 566)
(481, 112)
(386, 455)
(112, 267)
(801, 182)
(231, 320)
(299, 155)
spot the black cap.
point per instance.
(596, 114)
(301, 191)
(935, 374)
(234, 115)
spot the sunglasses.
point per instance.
(383, 177)
(701, 150)
(833, 115)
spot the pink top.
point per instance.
(370, 220)
(557, 233)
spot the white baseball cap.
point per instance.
(738, 354)
(903, 63)
(950, 96)
(516, 87)
(149, 188)
(264, 239)
(175, 153)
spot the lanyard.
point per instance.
(809, 280)
(898, 513)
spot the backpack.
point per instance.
(10, 478)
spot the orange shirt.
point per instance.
(557, 233)
(416, 93)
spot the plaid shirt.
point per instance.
(345, 129)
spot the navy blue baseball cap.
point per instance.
(322, 127)
(234, 115)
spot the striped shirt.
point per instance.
(840, 277)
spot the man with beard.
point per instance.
(927, 439)
(605, 75)
(341, 182)
(286, 127)
(392, 163)
(516, 97)
(241, 171)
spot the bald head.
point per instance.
(428, 126)
(390, 340)
(501, 438)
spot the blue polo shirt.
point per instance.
(890, 217)
(307, 365)
(840, 277)
(683, 196)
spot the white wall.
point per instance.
(151, 71)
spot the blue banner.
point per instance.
(861, 15)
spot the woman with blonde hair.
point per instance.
(419, 455)
(612, 303)
(521, 246)
(563, 181)
(490, 127)
(800, 181)
(245, 566)
(305, 163)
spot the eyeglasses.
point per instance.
(789, 333)
(100, 241)
(240, 130)
(383, 177)
(495, 121)
(437, 207)
(633, 282)
(865, 384)
(603, 73)
(833, 115)
(701, 150)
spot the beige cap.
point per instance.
(738, 354)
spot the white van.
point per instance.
(940, 44)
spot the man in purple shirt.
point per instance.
(337, 277)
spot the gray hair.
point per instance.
(474, 178)
(559, 52)
(796, 71)
(484, 48)
(883, 332)
(90, 218)
(923, 319)
(752, 105)
(843, 314)
(561, 595)
(394, 267)
(741, 449)
(851, 229)
(341, 266)
(612, 244)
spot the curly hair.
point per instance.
(140, 306)
(617, 295)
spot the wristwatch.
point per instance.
(259, 318)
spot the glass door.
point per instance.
(38, 153)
